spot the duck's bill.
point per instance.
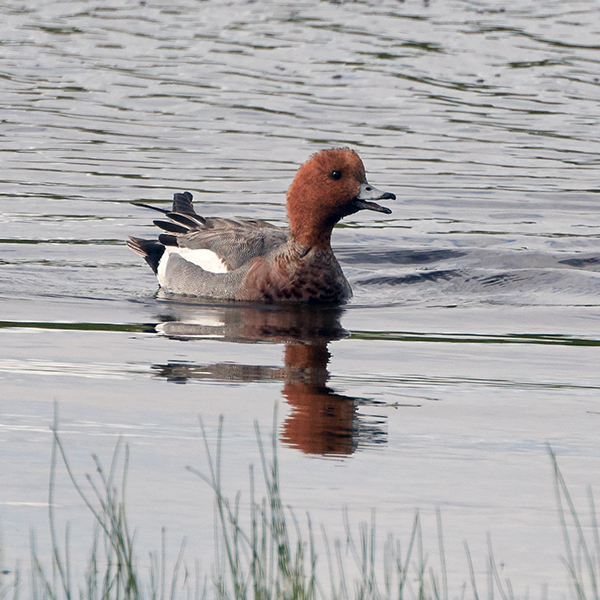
(364, 205)
(368, 193)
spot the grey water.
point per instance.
(472, 340)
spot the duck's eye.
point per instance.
(336, 175)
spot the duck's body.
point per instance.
(223, 259)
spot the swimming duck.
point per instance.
(225, 259)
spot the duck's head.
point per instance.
(328, 186)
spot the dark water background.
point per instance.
(473, 337)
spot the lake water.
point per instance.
(472, 340)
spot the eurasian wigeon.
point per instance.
(223, 259)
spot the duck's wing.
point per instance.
(215, 244)
(234, 243)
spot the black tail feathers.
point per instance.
(151, 250)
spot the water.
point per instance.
(473, 336)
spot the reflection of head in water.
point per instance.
(321, 421)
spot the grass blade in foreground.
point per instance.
(269, 558)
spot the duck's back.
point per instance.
(234, 242)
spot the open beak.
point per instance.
(368, 193)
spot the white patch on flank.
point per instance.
(161, 271)
(205, 259)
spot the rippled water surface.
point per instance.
(474, 334)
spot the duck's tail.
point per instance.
(183, 219)
(151, 250)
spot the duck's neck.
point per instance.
(308, 227)
(309, 237)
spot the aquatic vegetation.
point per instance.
(273, 557)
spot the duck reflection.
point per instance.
(321, 421)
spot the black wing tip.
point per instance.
(164, 211)
(171, 227)
(187, 220)
(182, 203)
(168, 239)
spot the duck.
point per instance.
(221, 259)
